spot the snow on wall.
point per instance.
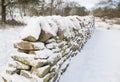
(46, 47)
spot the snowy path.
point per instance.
(99, 61)
(7, 38)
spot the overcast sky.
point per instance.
(89, 3)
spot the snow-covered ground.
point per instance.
(108, 24)
(99, 61)
(7, 38)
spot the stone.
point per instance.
(39, 63)
(68, 39)
(51, 46)
(64, 53)
(44, 36)
(29, 60)
(73, 54)
(54, 59)
(11, 70)
(61, 45)
(23, 58)
(60, 34)
(3, 79)
(57, 50)
(43, 54)
(31, 31)
(41, 72)
(32, 52)
(30, 38)
(54, 78)
(64, 69)
(75, 47)
(67, 57)
(48, 77)
(18, 65)
(23, 51)
(26, 74)
(50, 41)
(24, 45)
(53, 68)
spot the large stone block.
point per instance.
(44, 36)
(32, 31)
(29, 60)
(42, 71)
(24, 45)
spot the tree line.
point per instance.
(110, 10)
(40, 8)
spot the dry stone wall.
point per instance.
(47, 46)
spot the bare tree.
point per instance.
(51, 13)
(107, 3)
(5, 3)
(43, 10)
(3, 6)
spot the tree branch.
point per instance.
(10, 2)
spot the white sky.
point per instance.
(87, 3)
